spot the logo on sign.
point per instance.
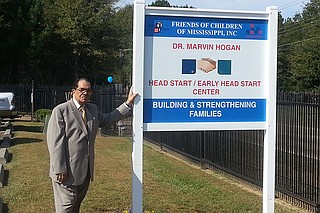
(254, 31)
(223, 67)
(157, 27)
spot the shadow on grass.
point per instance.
(10, 155)
(17, 141)
(5, 208)
(5, 178)
(28, 128)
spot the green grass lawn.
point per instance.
(170, 185)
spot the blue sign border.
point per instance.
(195, 27)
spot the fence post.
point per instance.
(55, 97)
(32, 101)
(202, 141)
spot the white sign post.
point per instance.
(137, 78)
(270, 135)
(204, 70)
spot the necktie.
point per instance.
(83, 115)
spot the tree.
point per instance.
(160, 3)
(55, 41)
(123, 21)
(298, 50)
(305, 59)
(164, 3)
(14, 40)
(83, 28)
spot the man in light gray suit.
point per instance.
(70, 138)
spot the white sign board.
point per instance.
(204, 70)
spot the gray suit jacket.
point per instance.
(71, 144)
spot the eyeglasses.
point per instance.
(82, 90)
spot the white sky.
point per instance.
(288, 8)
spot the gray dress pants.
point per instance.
(68, 199)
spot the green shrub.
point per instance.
(42, 113)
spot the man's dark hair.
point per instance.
(75, 84)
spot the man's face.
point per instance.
(83, 92)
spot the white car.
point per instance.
(7, 105)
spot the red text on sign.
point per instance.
(205, 91)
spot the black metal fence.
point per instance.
(298, 141)
(48, 96)
(239, 153)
